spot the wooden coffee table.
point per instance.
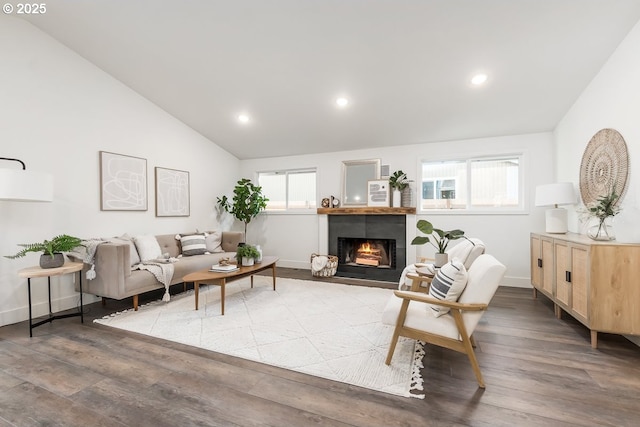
(207, 277)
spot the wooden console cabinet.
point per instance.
(598, 283)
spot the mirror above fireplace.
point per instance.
(355, 174)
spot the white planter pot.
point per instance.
(397, 197)
(441, 259)
(247, 262)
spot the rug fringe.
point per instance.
(417, 382)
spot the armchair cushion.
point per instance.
(448, 284)
(418, 319)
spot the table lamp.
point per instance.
(561, 193)
(25, 186)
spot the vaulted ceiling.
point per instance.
(404, 65)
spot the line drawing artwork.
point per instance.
(123, 182)
(172, 192)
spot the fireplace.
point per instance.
(368, 246)
(378, 253)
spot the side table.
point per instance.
(34, 272)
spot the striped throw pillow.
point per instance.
(448, 284)
(192, 244)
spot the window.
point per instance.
(483, 184)
(289, 190)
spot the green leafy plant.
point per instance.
(247, 251)
(59, 244)
(439, 239)
(398, 180)
(605, 206)
(248, 201)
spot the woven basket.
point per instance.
(329, 269)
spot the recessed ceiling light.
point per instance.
(342, 102)
(243, 118)
(479, 79)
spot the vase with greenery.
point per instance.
(438, 238)
(603, 209)
(247, 254)
(398, 182)
(248, 201)
(52, 250)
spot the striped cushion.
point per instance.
(448, 284)
(192, 244)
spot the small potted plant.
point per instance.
(247, 254)
(439, 239)
(398, 182)
(52, 250)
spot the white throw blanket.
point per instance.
(163, 272)
(86, 253)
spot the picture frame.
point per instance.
(123, 182)
(378, 193)
(172, 192)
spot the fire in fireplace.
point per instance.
(366, 252)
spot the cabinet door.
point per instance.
(547, 265)
(562, 273)
(542, 263)
(580, 280)
(536, 262)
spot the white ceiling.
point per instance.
(405, 65)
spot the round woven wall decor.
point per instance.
(605, 164)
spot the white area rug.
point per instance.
(318, 328)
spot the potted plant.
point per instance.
(53, 249)
(247, 254)
(603, 208)
(248, 201)
(439, 239)
(398, 182)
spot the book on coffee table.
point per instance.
(224, 268)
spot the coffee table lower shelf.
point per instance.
(207, 277)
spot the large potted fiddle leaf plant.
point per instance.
(248, 201)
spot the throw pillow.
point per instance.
(448, 284)
(148, 247)
(133, 252)
(192, 244)
(213, 241)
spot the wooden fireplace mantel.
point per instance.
(365, 210)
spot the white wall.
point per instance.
(57, 111)
(612, 100)
(295, 237)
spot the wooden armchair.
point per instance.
(410, 312)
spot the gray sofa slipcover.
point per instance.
(117, 280)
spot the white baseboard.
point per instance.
(38, 309)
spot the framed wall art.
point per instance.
(123, 182)
(378, 192)
(172, 192)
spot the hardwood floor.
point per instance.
(539, 371)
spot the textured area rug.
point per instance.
(324, 329)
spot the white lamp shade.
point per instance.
(561, 193)
(25, 185)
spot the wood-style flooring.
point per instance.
(539, 371)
